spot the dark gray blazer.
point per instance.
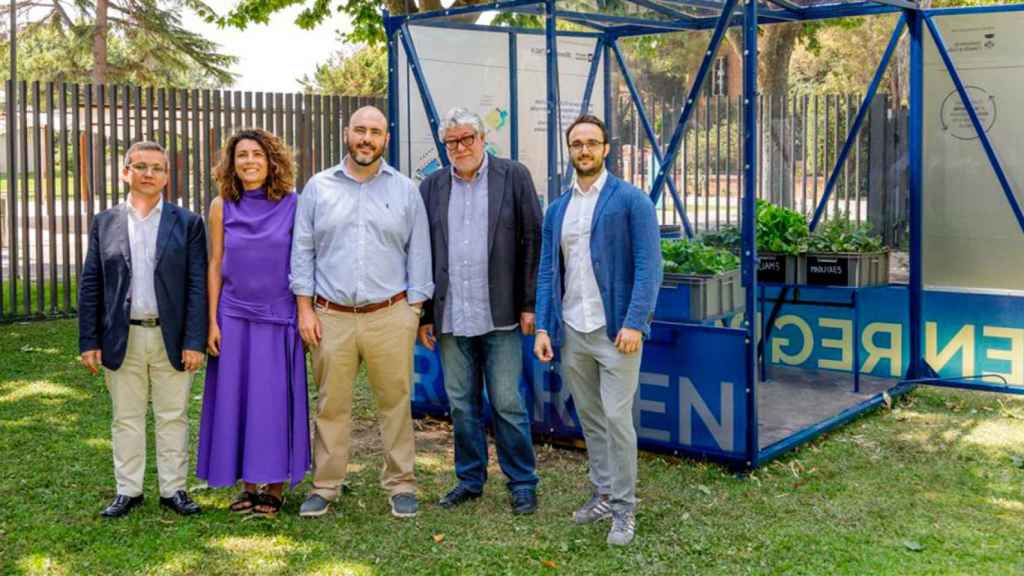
(513, 239)
(180, 278)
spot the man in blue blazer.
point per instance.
(142, 315)
(600, 270)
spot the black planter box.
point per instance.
(774, 268)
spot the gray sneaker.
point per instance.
(403, 505)
(597, 508)
(315, 505)
(623, 528)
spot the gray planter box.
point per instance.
(844, 269)
(696, 298)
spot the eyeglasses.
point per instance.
(466, 141)
(591, 145)
(142, 168)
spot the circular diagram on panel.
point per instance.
(957, 121)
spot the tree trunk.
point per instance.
(776, 46)
(99, 45)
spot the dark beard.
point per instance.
(374, 156)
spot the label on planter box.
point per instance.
(771, 268)
(828, 270)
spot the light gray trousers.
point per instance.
(603, 382)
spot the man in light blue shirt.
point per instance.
(360, 271)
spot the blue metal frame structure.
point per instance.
(682, 15)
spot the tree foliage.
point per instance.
(146, 44)
(359, 72)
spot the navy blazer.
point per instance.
(625, 250)
(104, 287)
(513, 240)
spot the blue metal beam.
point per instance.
(915, 125)
(588, 16)
(691, 99)
(792, 6)
(900, 4)
(653, 139)
(990, 152)
(502, 29)
(474, 9)
(662, 9)
(862, 113)
(748, 257)
(513, 95)
(553, 100)
(595, 62)
(394, 141)
(609, 106)
(421, 83)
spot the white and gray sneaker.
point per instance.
(597, 508)
(623, 528)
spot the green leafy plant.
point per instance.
(843, 235)
(685, 256)
(780, 230)
(727, 237)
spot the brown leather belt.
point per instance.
(364, 309)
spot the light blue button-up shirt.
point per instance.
(468, 306)
(357, 243)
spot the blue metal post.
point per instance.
(588, 90)
(915, 144)
(551, 46)
(394, 144)
(421, 83)
(986, 144)
(749, 256)
(862, 113)
(691, 99)
(513, 96)
(652, 137)
(609, 106)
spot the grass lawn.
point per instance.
(933, 486)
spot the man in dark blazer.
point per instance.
(143, 316)
(485, 237)
(600, 271)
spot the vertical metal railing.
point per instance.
(69, 141)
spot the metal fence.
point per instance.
(799, 140)
(69, 140)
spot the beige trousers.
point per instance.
(384, 339)
(146, 366)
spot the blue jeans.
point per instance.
(496, 358)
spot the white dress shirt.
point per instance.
(142, 241)
(582, 307)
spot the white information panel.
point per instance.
(470, 68)
(971, 238)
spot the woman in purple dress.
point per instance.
(254, 425)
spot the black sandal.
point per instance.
(245, 502)
(271, 505)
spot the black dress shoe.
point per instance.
(181, 503)
(524, 502)
(458, 495)
(121, 506)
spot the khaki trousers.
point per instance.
(384, 339)
(146, 366)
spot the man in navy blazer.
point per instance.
(142, 315)
(600, 270)
(485, 224)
